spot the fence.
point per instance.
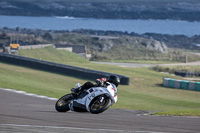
(35, 46)
(58, 68)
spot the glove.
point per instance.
(99, 82)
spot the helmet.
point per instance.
(114, 79)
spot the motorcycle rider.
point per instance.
(78, 92)
(103, 82)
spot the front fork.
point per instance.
(101, 99)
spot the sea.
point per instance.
(171, 27)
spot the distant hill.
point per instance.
(108, 45)
(113, 9)
(101, 47)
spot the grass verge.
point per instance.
(178, 113)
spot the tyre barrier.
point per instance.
(187, 74)
(68, 70)
(181, 84)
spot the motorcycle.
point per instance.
(94, 100)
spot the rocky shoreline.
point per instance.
(112, 9)
(172, 41)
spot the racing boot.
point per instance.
(71, 106)
(78, 85)
(77, 89)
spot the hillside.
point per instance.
(51, 54)
(130, 47)
(112, 9)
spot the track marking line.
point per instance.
(29, 94)
(76, 128)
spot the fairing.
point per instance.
(110, 92)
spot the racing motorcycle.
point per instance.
(94, 100)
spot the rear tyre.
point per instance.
(99, 104)
(62, 105)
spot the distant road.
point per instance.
(134, 65)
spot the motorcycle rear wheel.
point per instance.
(97, 106)
(62, 105)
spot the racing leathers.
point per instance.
(99, 83)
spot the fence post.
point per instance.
(186, 58)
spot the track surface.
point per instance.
(134, 65)
(23, 113)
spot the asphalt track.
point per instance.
(20, 113)
(135, 65)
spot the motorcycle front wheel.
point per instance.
(99, 104)
(62, 105)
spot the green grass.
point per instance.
(34, 81)
(145, 91)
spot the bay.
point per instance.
(172, 27)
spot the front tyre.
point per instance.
(62, 105)
(99, 104)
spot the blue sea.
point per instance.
(172, 27)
